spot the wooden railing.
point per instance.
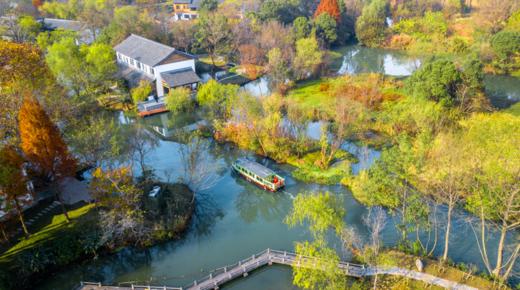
(268, 257)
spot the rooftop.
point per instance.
(180, 77)
(144, 50)
(193, 3)
(54, 23)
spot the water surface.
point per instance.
(234, 219)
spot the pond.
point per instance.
(503, 91)
(234, 219)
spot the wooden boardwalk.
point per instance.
(228, 273)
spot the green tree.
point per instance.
(84, 69)
(122, 219)
(179, 100)
(301, 27)
(141, 92)
(126, 20)
(277, 67)
(209, 5)
(326, 28)
(214, 36)
(513, 23)
(322, 212)
(506, 45)
(308, 57)
(65, 10)
(29, 28)
(97, 141)
(217, 99)
(100, 63)
(492, 160)
(48, 38)
(436, 80)
(371, 25)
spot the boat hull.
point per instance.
(262, 186)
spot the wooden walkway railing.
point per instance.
(267, 257)
(225, 274)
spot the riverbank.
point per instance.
(62, 243)
(460, 273)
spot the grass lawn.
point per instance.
(514, 110)
(219, 61)
(312, 96)
(115, 102)
(307, 170)
(57, 225)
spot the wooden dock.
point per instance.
(228, 273)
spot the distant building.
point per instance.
(186, 9)
(85, 35)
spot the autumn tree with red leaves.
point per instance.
(43, 145)
(13, 183)
(328, 6)
(37, 3)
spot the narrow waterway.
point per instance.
(235, 219)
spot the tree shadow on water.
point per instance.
(207, 213)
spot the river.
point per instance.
(235, 219)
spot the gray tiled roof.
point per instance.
(193, 3)
(54, 23)
(180, 77)
(144, 50)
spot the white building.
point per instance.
(167, 67)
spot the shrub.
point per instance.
(179, 100)
(141, 92)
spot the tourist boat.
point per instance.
(260, 175)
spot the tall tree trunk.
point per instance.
(500, 250)
(4, 234)
(514, 256)
(212, 57)
(62, 204)
(447, 234)
(375, 281)
(20, 217)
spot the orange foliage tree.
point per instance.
(23, 70)
(43, 145)
(328, 6)
(13, 183)
(37, 3)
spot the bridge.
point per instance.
(225, 274)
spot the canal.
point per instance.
(235, 219)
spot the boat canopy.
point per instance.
(258, 169)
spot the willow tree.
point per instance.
(492, 145)
(323, 212)
(13, 183)
(43, 145)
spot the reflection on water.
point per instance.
(358, 59)
(503, 90)
(258, 87)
